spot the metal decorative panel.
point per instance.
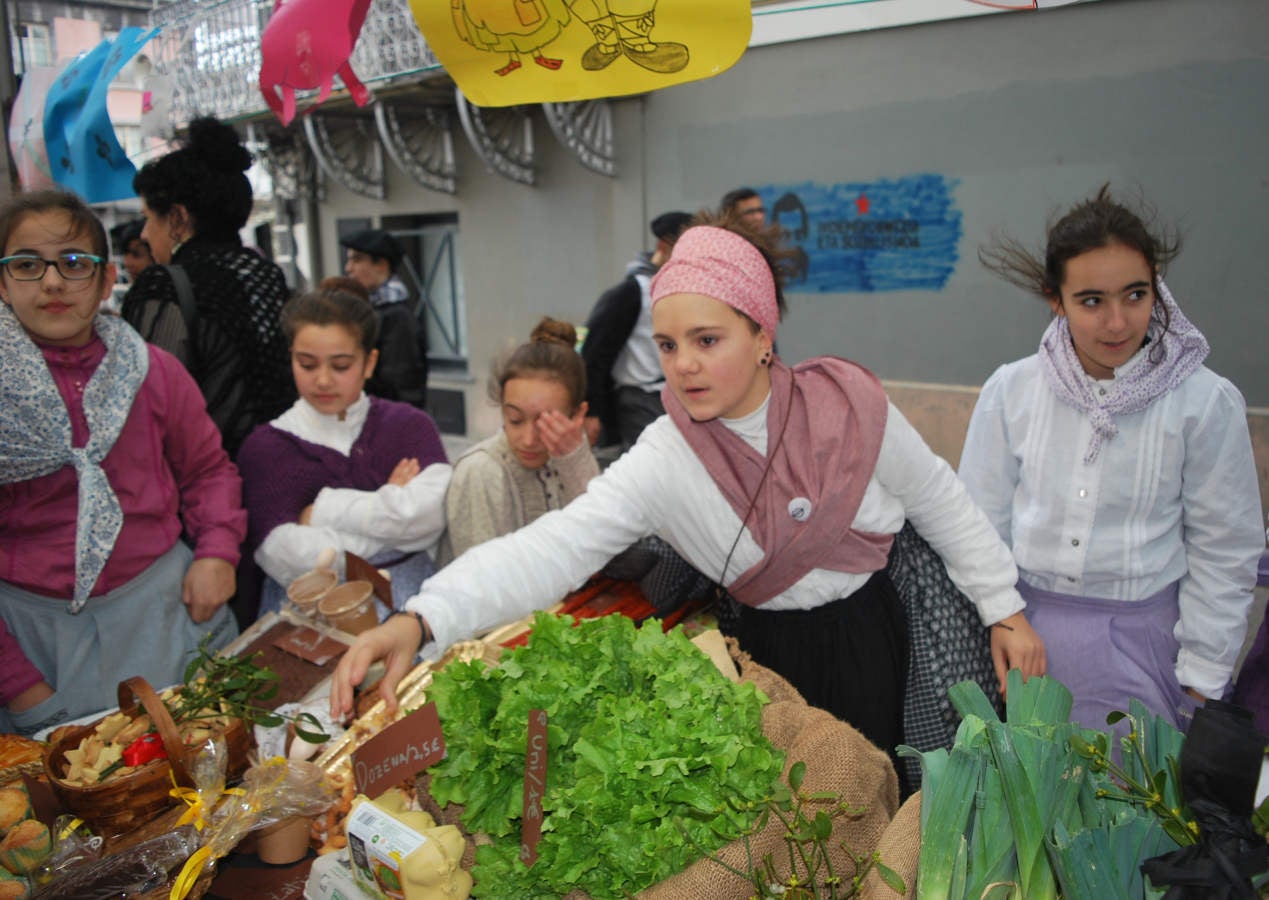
(420, 141)
(501, 137)
(348, 150)
(585, 129)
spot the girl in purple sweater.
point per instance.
(340, 470)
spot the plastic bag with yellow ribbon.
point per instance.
(270, 792)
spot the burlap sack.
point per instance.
(899, 848)
(838, 760)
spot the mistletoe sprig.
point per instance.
(807, 871)
(236, 686)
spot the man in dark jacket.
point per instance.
(623, 368)
(373, 257)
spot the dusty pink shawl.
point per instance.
(836, 420)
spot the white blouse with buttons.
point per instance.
(1172, 497)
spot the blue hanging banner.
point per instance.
(65, 105)
(895, 234)
(84, 154)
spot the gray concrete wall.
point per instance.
(1024, 113)
(527, 251)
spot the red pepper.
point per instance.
(144, 749)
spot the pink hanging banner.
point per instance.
(304, 46)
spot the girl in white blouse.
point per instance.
(1120, 471)
(786, 484)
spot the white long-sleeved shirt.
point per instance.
(405, 518)
(660, 486)
(1172, 497)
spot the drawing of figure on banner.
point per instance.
(624, 28)
(524, 27)
(580, 49)
(514, 27)
(789, 213)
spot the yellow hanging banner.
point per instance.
(507, 52)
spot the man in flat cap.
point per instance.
(623, 368)
(134, 252)
(372, 258)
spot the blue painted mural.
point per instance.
(896, 234)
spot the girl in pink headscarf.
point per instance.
(786, 484)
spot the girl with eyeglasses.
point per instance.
(107, 455)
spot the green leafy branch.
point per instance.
(1153, 791)
(807, 872)
(218, 685)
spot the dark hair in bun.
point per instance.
(549, 354)
(217, 145)
(206, 176)
(554, 330)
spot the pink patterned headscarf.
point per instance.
(721, 264)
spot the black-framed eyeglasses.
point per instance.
(71, 266)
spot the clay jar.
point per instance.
(309, 589)
(350, 607)
(285, 841)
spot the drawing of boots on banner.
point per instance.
(514, 27)
(624, 28)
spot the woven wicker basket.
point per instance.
(121, 804)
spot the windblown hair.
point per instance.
(1089, 225)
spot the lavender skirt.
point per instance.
(1109, 651)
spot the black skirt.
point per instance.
(849, 657)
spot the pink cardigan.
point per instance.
(167, 468)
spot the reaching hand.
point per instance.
(1015, 645)
(209, 582)
(395, 642)
(562, 434)
(404, 473)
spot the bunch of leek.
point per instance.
(1036, 805)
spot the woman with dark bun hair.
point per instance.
(210, 301)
